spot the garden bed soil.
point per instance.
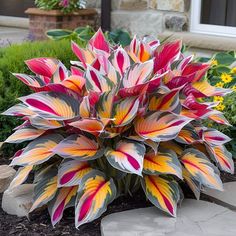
(39, 223)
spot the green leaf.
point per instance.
(57, 34)
(224, 58)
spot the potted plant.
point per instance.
(60, 14)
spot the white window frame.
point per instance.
(197, 27)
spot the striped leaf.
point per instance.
(162, 193)
(24, 134)
(201, 169)
(38, 151)
(222, 157)
(187, 135)
(160, 126)
(44, 124)
(121, 60)
(52, 105)
(89, 125)
(79, 147)
(95, 193)
(127, 156)
(45, 187)
(215, 138)
(125, 111)
(70, 172)
(65, 198)
(165, 102)
(193, 184)
(137, 74)
(21, 176)
(164, 162)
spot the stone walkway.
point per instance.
(12, 35)
(194, 218)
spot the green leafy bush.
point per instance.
(83, 34)
(12, 59)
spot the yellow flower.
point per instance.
(226, 78)
(214, 62)
(218, 99)
(220, 107)
(233, 70)
(220, 85)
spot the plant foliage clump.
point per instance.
(118, 120)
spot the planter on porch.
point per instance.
(41, 20)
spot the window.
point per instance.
(214, 17)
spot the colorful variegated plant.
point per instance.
(117, 120)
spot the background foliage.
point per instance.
(223, 75)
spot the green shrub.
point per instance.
(11, 60)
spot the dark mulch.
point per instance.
(39, 223)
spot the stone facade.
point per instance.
(150, 17)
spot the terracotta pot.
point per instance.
(40, 20)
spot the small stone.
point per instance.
(175, 23)
(18, 200)
(171, 5)
(226, 198)
(7, 174)
(194, 218)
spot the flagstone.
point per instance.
(194, 218)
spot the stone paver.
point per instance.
(18, 200)
(10, 35)
(194, 218)
(7, 174)
(226, 198)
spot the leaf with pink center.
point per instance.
(121, 60)
(65, 198)
(71, 172)
(94, 195)
(52, 105)
(127, 156)
(160, 126)
(214, 137)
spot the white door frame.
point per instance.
(197, 27)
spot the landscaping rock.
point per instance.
(18, 201)
(194, 218)
(7, 173)
(226, 198)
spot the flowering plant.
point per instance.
(117, 120)
(65, 6)
(222, 74)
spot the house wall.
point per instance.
(150, 17)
